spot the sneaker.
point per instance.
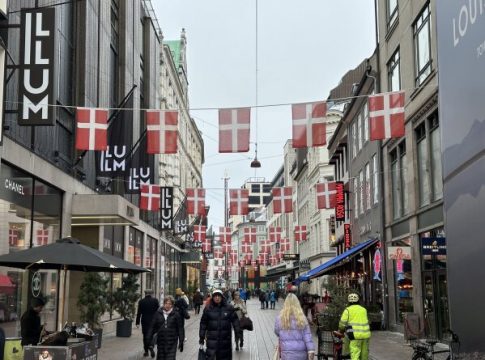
(152, 353)
(237, 347)
(242, 343)
(185, 340)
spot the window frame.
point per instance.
(392, 14)
(393, 63)
(422, 21)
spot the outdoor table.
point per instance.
(84, 350)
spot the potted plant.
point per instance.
(124, 302)
(93, 302)
(374, 314)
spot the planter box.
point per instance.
(123, 328)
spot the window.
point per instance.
(356, 199)
(375, 185)
(403, 279)
(392, 13)
(394, 72)
(256, 188)
(361, 192)
(422, 46)
(354, 140)
(367, 187)
(359, 133)
(366, 122)
(254, 200)
(398, 181)
(436, 174)
(423, 174)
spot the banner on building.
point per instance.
(339, 201)
(399, 253)
(141, 168)
(166, 208)
(347, 236)
(433, 246)
(36, 67)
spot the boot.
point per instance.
(242, 343)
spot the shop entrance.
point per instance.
(436, 302)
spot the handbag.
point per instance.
(202, 354)
(246, 323)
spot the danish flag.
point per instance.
(386, 115)
(300, 233)
(218, 253)
(273, 259)
(309, 127)
(226, 247)
(263, 259)
(225, 235)
(238, 201)
(264, 246)
(248, 258)
(42, 237)
(195, 201)
(326, 195)
(92, 129)
(234, 256)
(285, 245)
(274, 234)
(246, 248)
(200, 233)
(162, 127)
(282, 200)
(149, 197)
(250, 235)
(13, 237)
(234, 130)
(206, 245)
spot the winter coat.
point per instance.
(197, 299)
(170, 333)
(216, 326)
(30, 327)
(147, 307)
(294, 343)
(181, 306)
(272, 297)
(262, 296)
(240, 308)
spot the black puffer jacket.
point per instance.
(170, 332)
(216, 327)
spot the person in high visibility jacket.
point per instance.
(355, 324)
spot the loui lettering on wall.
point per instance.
(36, 77)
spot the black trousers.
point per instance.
(197, 308)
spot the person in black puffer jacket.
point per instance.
(167, 323)
(216, 325)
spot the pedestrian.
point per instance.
(181, 306)
(272, 299)
(241, 311)
(197, 301)
(216, 324)
(262, 299)
(244, 295)
(147, 307)
(168, 326)
(266, 298)
(30, 324)
(355, 323)
(295, 336)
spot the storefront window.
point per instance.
(30, 215)
(403, 278)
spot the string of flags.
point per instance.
(386, 120)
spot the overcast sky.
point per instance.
(304, 49)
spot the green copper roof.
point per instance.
(175, 50)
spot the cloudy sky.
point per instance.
(303, 49)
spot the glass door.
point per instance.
(435, 303)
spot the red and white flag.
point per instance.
(263, 259)
(149, 197)
(218, 253)
(309, 127)
(273, 259)
(42, 237)
(282, 202)
(326, 195)
(195, 201)
(274, 234)
(250, 235)
(264, 246)
(206, 246)
(200, 233)
(225, 235)
(386, 115)
(226, 247)
(238, 202)
(242, 263)
(248, 258)
(13, 237)
(234, 130)
(162, 128)
(92, 129)
(300, 233)
(285, 245)
(246, 248)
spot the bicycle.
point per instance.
(425, 350)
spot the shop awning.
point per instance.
(336, 261)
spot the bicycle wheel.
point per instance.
(421, 356)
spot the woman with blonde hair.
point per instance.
(295, 337)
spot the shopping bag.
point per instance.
(246, 323)
(276, 354)
(13, 349)
(202, 354)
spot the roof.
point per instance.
(174, 46)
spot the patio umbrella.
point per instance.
(68, 254)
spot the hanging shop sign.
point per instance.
(433, 246)
(339, 201)
(399, 253)
(290, 257)
(36, 77)
(36, 284)
(347, 236)
(377, 264)
(166, 208)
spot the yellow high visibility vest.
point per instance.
(356, 316)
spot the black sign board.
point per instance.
(347, 236)
(433, 245)
(36, 78)
(289, 257)
(166, 208)
(340, 201)
(209, 256)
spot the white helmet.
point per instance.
(353, 298)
